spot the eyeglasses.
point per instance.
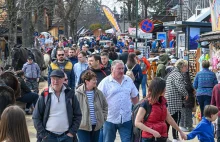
(60, 54)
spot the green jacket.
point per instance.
(100, 105)
(161, 68)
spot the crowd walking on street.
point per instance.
(92, 92)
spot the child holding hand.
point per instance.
(205, 129)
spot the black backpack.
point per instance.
(136, 132)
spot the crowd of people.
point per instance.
(90, 96)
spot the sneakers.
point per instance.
(28, 111)
(184, 129)
(176, 140)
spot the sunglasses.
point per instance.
(60, 55)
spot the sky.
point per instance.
(112, 3)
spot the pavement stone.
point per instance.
(32, 131)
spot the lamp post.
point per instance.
(136, 10)
(124, 14)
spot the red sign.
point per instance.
(147, 26)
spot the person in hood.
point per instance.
(94, 62)
(161, 68)
(94, 112)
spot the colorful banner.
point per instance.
(215, 14)
(110, 16)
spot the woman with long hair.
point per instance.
(155, 127)
(93, 106)
(132, 65)
(13, 127)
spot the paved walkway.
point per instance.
(32, 131)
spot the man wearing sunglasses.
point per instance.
(63, 64)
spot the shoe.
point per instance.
(28, 111)
(184, 129)
(176, 140)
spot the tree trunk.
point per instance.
(66, 29)
(12, 35)
(40, 20)
(129, 10)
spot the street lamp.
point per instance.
(136, 37)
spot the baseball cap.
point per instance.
(30, 58)
(57, 73)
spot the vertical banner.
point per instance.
(194, 36)
(110, 16)
(215, 14)
(162, 36)
(181, 43)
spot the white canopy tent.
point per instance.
(109, 31)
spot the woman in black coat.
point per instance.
(186, 123)
(27, 96)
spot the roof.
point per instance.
(210, 36)
(186, 23)
(199, 18)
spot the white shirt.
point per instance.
(58, 120)
(118, 97)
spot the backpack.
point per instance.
(130, 73)
(136, 133)
(46, 93)
(143, 65)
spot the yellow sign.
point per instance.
(215, 14)
(110, 16)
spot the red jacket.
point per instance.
(147, 63)
(216, 97)
(156, 119)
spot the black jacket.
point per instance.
(42, 110)
(24, 88)
(190, 102)
(100, 74)
(124, 57)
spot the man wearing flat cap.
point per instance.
(32, 74)
(57, 114)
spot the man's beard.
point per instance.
(61, 60)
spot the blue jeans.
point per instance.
(32, 84)
(29, 98)
(110, 129)
(203, 101)
(101, 135)
(143, 85)
(218, 129)
(52, 138)
(88, 136)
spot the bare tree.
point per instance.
(68, 11)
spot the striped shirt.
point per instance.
(90, 96)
